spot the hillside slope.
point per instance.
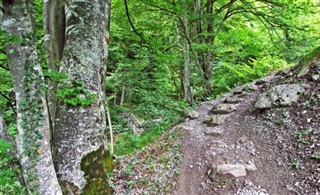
(261, 138)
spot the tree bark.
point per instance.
(187, 62)
(33, 139)
(80, 130)
(54, 40)
(210, 55)
(123, 91)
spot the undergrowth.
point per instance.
(157, 113)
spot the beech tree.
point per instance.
(76, 39)
(80, 121)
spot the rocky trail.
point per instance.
(250, 142)
(261, 138)
(220, 141)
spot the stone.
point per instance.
(236, 170)
(303, 71)
(250, 166)
(215, 120)
(223, 108)
(286, 71)
(214, 132)
(315, 77)
(193, 114)
(232, 100)
(133, 122)
(279, 96)
(260, 82)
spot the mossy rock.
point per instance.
(96, 165)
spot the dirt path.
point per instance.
(237, 140)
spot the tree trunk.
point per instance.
(122, 95)
(79, 138)
(54, 40)
(33, 139)
(187, 63)
(210, 42)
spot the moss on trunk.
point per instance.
(96, 165)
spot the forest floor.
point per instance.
(279, 147)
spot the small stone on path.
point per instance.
(315, 77)
(215, 120)
(213, 132)
(193, 114)
(250, 166)
(236, 170)
(232, 100)
(223, 108)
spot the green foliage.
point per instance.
(151, 106)
(76, 94)
(9, 183)
(55, 76)
(228, 76)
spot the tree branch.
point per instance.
(131, 23)
(9, 101)
(2, 66)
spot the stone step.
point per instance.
(232, 100)
(213, 131)
(215, 120)
(223, 108)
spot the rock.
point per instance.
(223, 108)
(286, 71)
(133, 122)
(232, 100)
(193, 114)
(215, 120)
(236, 170)
(238, 92)
(279, 96)
(303, 71)
(214, 132)
(260, 82)
(315, 77)
(250, 166)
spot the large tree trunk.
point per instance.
(79, 136)
(210, 55)
(187, 69)
(187, 59)
(33, 139)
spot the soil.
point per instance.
(283, 143)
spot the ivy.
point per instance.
(76, 94)
(32, 117)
